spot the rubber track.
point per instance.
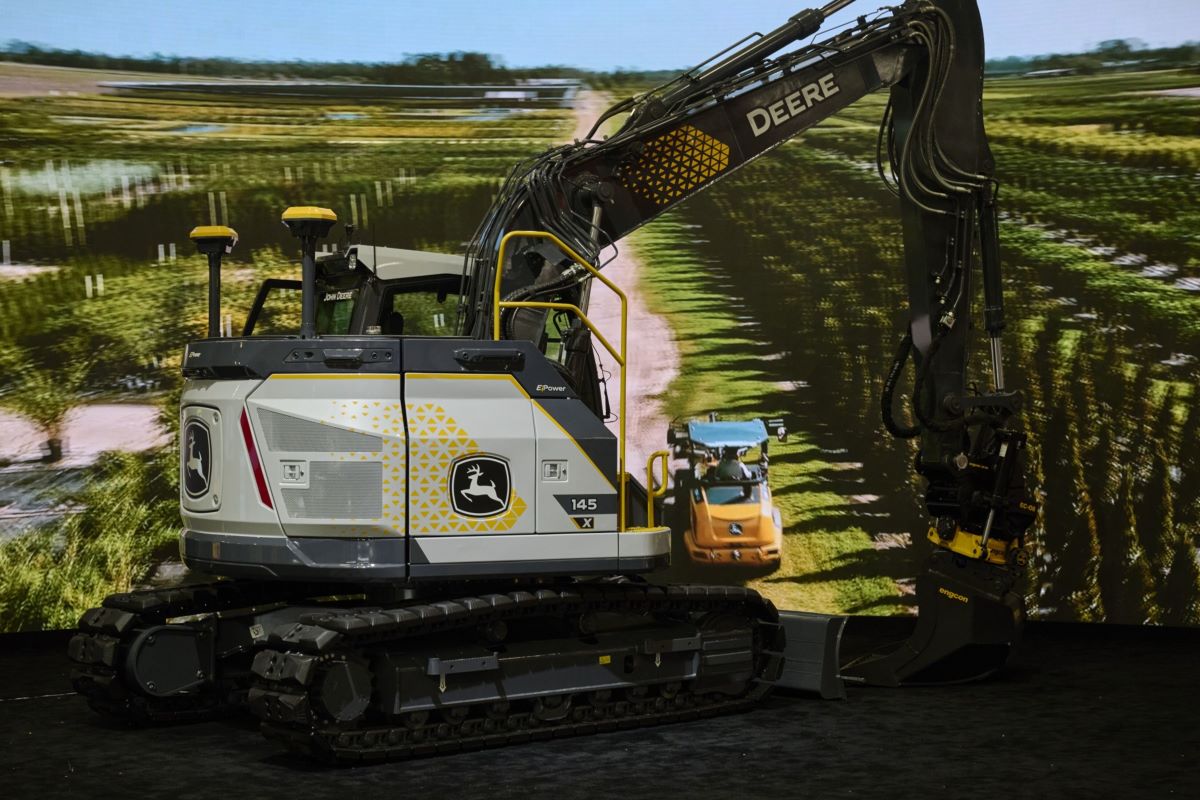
(287, 674)
(99, 648)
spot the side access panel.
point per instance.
(328, 424)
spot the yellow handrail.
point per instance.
(618, 356)
(651, 492)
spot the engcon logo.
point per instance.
(763, 119)
(962, 598)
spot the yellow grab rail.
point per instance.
(617, 355)
(651, 493)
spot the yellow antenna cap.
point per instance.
(308, 214)
(214, 239)
(309, 222)
(213, 232)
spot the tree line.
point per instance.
(431, 68)
(472, 67)
(1110, 55)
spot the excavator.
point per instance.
(420, 539)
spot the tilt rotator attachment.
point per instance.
(970, 611)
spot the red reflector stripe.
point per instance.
(260, 478)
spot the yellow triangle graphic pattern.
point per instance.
(436, 441)
(675, 163)
(385, 419)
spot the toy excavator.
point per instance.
(426, 540)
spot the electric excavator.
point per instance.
(428, 540)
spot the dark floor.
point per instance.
(1092, 712)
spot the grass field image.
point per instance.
(100, 286)
(774, 294)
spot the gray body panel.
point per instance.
(366, 560)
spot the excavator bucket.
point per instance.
(968, 623)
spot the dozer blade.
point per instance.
(968, 622)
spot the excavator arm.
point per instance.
(707, 123)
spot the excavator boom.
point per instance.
(708, 123)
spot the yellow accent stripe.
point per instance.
(462, 376)
(292, 376)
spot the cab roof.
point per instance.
(715, 435)
(392, 263)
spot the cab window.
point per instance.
(731, 495)
(335, 309)
(276, 311)
(278, 314)
(420, 311)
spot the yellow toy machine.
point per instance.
(732, 517)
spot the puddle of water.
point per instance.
(88, 177)
(28, 496)
(199, 127)
(343, 115)
(19, 272)
(490, 114)
(88, 431)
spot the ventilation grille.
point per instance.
(292, 435)
(338, 490)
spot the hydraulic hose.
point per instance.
(924, 415)
(569, 278)
(889, 392)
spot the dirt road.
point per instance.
(88, 431)
(653, 355)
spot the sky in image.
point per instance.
(619, 33)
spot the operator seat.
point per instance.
(393, 324)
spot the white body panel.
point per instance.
(238, 508)
(334, 451)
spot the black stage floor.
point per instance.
(1092, 712)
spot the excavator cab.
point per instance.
(366, 290)
(368, 442)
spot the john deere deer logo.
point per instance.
(196, 459)
(480, 486)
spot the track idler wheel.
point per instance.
(552, 709)
(345, 690)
